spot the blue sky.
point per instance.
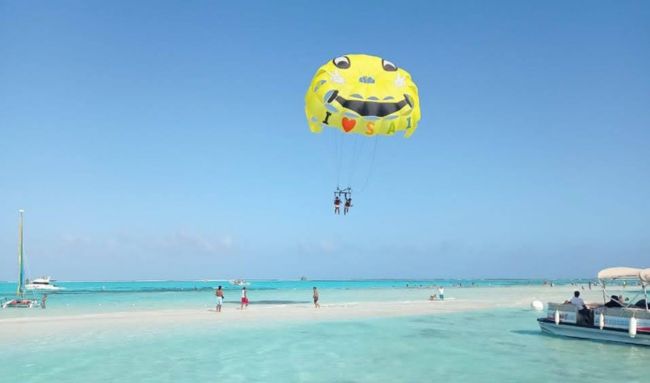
(167, 139)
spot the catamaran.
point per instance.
(20, 301)
(617, 320)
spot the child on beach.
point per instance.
(219, 295)
(244, 299)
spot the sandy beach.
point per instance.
(458, 300)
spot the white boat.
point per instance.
(20, 301)
(613, 321)
(239, 282)
(42, 283)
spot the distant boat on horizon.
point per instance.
(42, 283)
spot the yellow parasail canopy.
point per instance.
(362, 94)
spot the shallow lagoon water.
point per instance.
(502, 345)
(87, 297)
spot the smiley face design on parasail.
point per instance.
(364, 95)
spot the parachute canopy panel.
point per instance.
(362, 94)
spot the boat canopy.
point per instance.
(645, 275)
(621, 273)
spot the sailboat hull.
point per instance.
(19, 304)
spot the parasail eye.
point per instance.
(388, 66)
(342, 62)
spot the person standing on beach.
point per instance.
(244, 299)
(219, 295)
(441, 293)
(316, 304)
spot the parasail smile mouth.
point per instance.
(371, 108)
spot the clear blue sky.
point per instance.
(167, 139)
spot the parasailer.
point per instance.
(345, 193)
(347, 206)
(362, 95)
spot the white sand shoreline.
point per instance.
(465, 300)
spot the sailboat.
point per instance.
(20, 301)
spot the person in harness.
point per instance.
(348, 205)
(337, 204)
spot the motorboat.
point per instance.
(239, 282)
(616, 320)
(42, 283)
(20, 301)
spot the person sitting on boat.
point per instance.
(576, 300)
(585, 316)
(614, 301)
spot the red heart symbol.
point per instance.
(348, 124)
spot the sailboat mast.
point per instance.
(21, 272)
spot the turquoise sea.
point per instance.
(496, 345)
(109, 295)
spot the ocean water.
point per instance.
(91, 297)
(493, 345)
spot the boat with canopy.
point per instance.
(616, 320)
